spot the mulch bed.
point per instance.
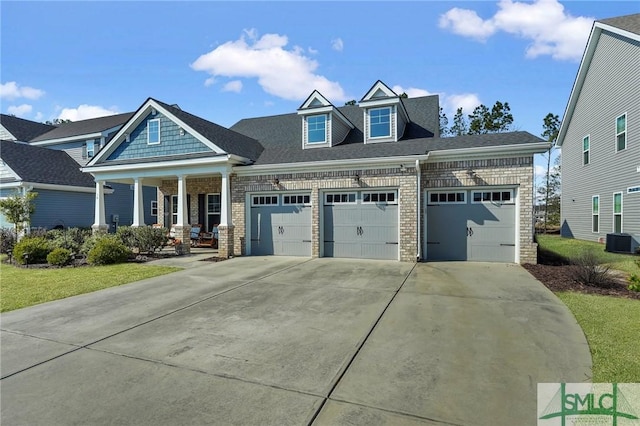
(559, 277)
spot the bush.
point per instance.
(36, 247)
(634, 279)
(143, 239)
(7, 240)
(108, 249)
(71, 239)
(59, 257)
(590, 270)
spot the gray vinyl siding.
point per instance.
(76, 149)
(68, 209)
(339, 131)
(610, 89)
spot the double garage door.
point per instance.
(475, 225)
(355, 224)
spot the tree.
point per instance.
(551, 190)
(57, 121)
(18, 209)
(404, 95)
(460, 126)
(351, 102)
(444, 122)
(498, 119)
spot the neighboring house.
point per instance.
(600, 136)
(18, 129)
(65, 194)
(81, 140)
(371, 180)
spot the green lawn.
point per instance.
(568, 248)
(612, 327)
(21, 287)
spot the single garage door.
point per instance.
(281, 224)
(361, 224)
(476, 225)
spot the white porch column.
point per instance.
(99, 222)
(138, 203)
(183, 220)
(225, 201)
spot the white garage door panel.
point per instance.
(281, 230)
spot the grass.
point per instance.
(21, 287)
(611, 327)
(567, 248)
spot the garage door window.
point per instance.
(264, 200)
(343, 198)
(379, 197)
(505, 197)
(296, 199)
(447, 197)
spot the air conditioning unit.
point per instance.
(619, 243)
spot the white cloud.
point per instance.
(285, 73)
(545, 23)
(233, 86)
(39, 116)
(20, 110)
(467, 101)
(210, 81)
(337, 44)
(412, 92)
(12, 90)
(85, 112)
(312, 50)
(539, 171)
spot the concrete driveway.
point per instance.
(281, 340)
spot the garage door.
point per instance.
(281, 224)
(476, 225)
(361, 224)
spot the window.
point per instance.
(447, 197)
(264, 200)
(296, 199)
(154, 208)
(379, 197)
(586, 145)
(153, 132)
(213, 211)
(174, 209)
(617, 212)
(633, 190)
(501, 196)
(380, 122)
(621, 132)
(595, 213)
(340, 198)
(317, 129)
(91, 149)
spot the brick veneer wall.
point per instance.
(315, 182)
(516, 171)
(195, 186)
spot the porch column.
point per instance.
(225, 229)
(99, 222)
(138, 203)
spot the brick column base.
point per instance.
(183, 233)
(100, 229)
(225, 241)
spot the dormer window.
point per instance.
(316, 129)
(380, 122)
(153, 132)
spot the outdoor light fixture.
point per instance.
(402, 168)
(181, 131)
(275, 181)
(356, 178)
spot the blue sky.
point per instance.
(225, 61)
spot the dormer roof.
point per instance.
(381, 95)
(317, 104)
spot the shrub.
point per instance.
(38, 232)
(36, 247)
(90, 242)
(634, 279)
(108, 249)
(59, 257)
(7, 239)
(143, 239)
(589, 270)
(71, 239)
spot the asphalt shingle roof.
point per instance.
(43, 165)
(629, 23)
(228, 140)
(24, 130)
(281, 136)
(84, 127)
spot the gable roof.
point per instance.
(43, 165)
(24, 130)
(84, 127)
(627, 26)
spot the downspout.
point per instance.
(419, 248)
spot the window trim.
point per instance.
(595, 212)
(388, 203)
(303, 203)
(435, 203)
(621, 213)
(154, 206)
(586, 151)
(326, 130)
(325, 197)
(91, 152)
(633, 190)
(258, 197)
(369, 111)
(624, 132)
(174, 206)
(511, 200)
(155, 120)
